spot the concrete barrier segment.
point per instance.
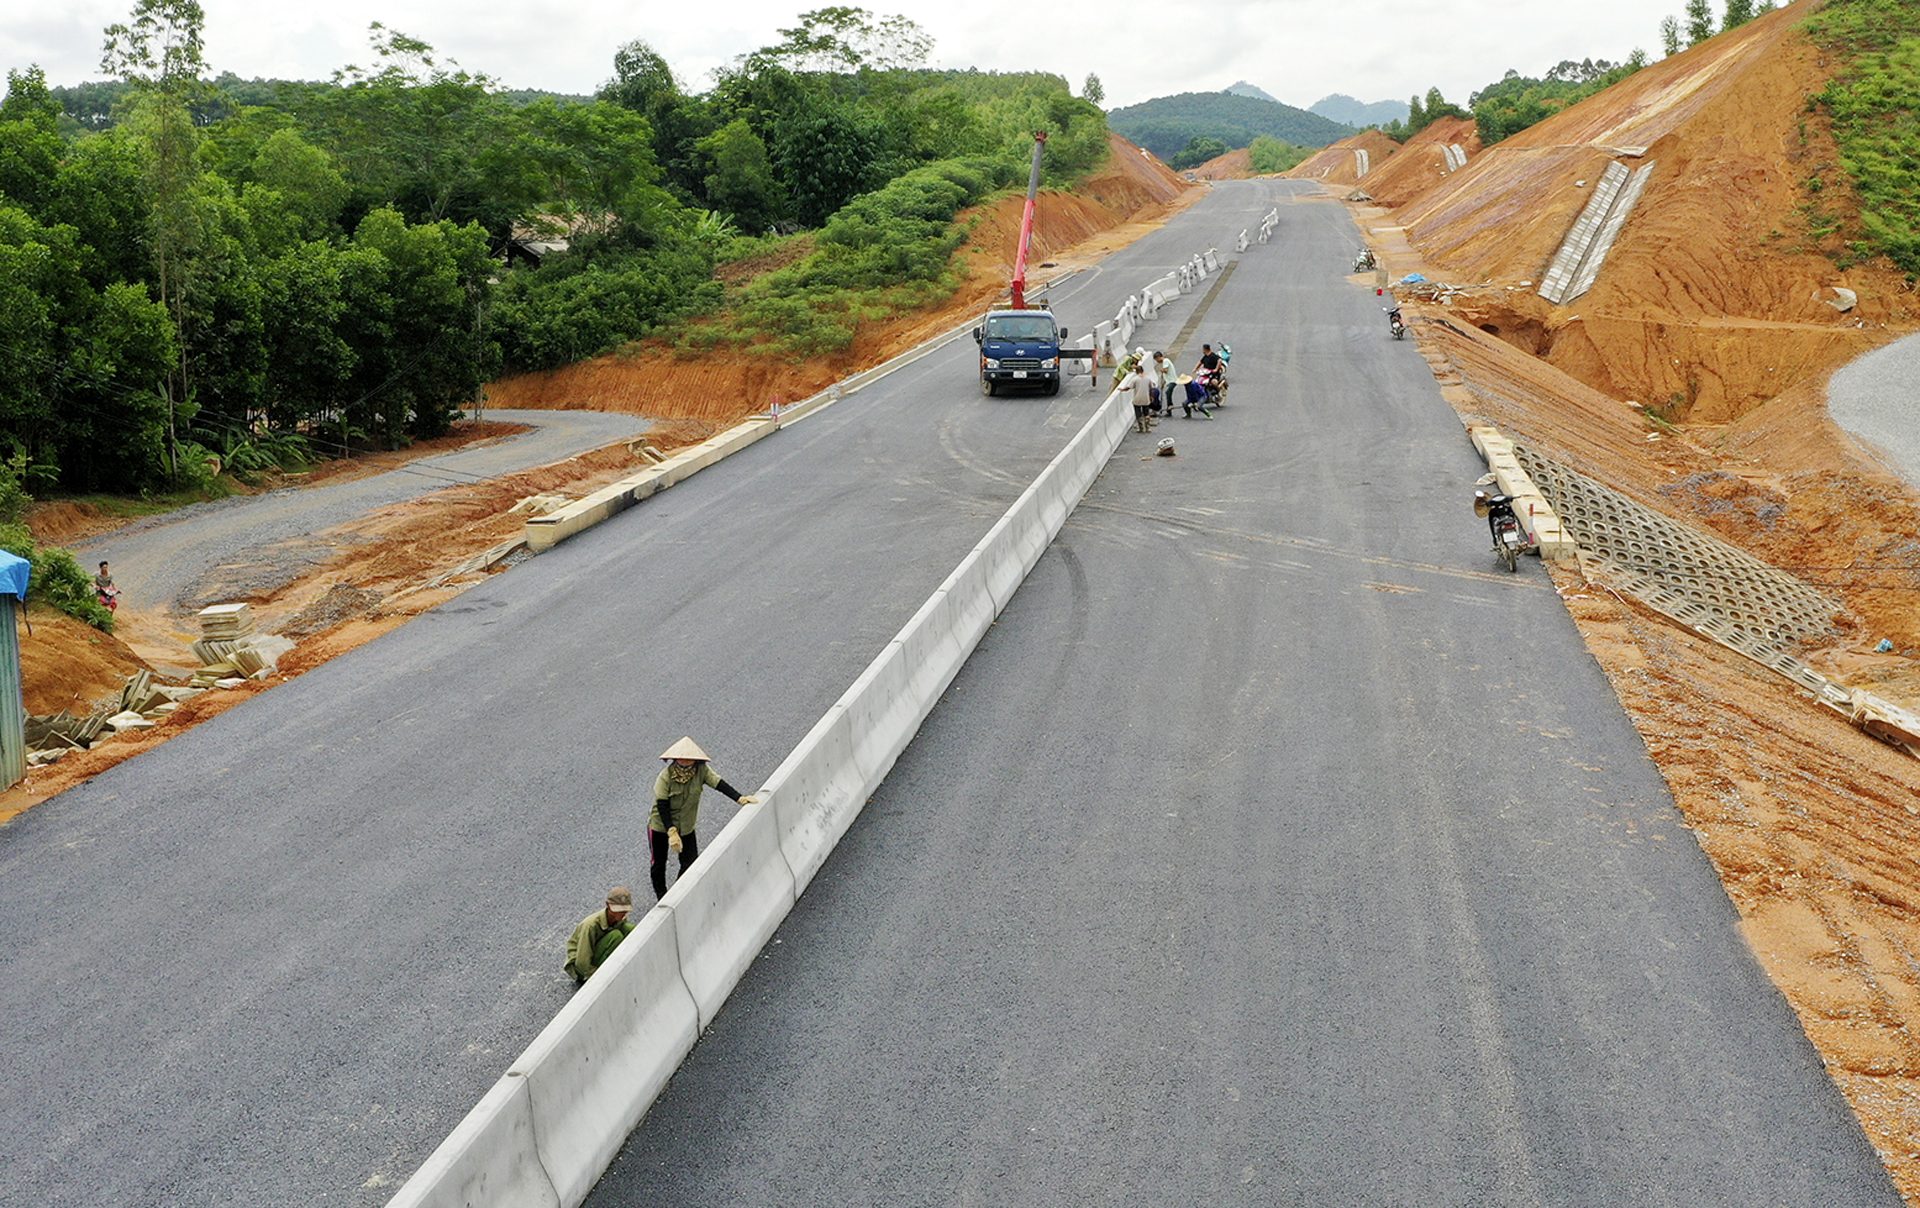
(934, 646)
(579, 1089)
(1079, 365)
(882, 712)
(1536, 515)
(489, 1158)
(593, 1071)
(729, 904)
(815, 793)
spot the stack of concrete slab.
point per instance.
(223, 629)
(230, 651)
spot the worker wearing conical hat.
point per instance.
(676, 807)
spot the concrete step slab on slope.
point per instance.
(1577, 264)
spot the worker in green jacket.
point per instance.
(594, 940)
(676, 807)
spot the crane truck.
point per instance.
(1020, 343)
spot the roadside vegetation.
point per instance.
(1517, 101)
(1874, 104)
(200, 276)
(1268, 155)
(56, 577)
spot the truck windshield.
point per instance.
(1019, 327)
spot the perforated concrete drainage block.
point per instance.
(1696, 579)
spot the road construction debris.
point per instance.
(233, 654)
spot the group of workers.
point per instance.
(670, 828)
(1153, 382)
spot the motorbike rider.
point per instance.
(1209, 364)
(104, 590)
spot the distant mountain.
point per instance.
(1342, 108)
(1242, 88)
(1165, 125)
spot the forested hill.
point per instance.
(200, 273)
(1340, 107)
(1167, 124)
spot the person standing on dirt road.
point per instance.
(676, 808)
(597, 935)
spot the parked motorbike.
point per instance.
(1394, 323)
(1509, 538)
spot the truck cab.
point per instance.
(1019, 348)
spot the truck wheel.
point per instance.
(1053, 388)
(988, 388)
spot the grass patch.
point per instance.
(882, 254)
(1874, 105)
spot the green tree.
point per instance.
(1092, 89)
(1669, 35)
(1197, 151)
(30, 145)
(1699, 21)
(159, 54)
(644, 84)
(1268, 155)
(421, 353)
(427, 138)
(841, 38)
(742, 183)
(1738, 13)
(86, 363)
(826, 158)
(292, 191)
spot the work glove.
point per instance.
(673, 838)
(750, 799)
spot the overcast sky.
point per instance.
(1297, 50)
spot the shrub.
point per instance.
(57, 577)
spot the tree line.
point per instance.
(194, 269)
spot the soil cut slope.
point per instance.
(1711, 302)
(1338, 165)
(1422, 162)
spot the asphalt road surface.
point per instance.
(1276, 847)
(209, 552)
(276, 960)
(1873, 399)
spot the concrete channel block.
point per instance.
(489, 1158)
(592, 1072)
(729, 904)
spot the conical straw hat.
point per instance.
(686, 748)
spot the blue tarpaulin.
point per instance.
(14, 572)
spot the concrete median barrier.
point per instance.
(814, 793)
(548, 1129)
(489, 1159)
(591, 1074)
(728, 905)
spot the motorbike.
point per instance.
(1394, 323)
(1363, 260)
(1496, 508)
